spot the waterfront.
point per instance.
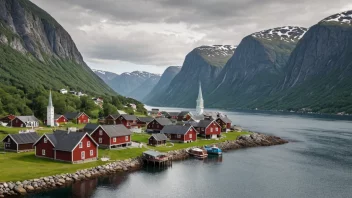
(316, 163)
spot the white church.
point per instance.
(50, 112)
(200, 102)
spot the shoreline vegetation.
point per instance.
(34, 172)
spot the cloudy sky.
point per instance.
(149, 35)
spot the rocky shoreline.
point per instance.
(46, 183)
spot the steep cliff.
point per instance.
(203, 64)
(319, 70)
(162, 85)
(37, 52)
(256, 68)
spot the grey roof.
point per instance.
(153, 153)
(116, 130)
(115, 116)
(25, 138)
(183, 113)
(204, 123)
(173, 113)
(159, 136)
(89, 128)
(27, 118)
(57, 116)
(163, 121)
(175, 129)
(225, 119)
(145, 119)
(198, 117)
(65, 141)
(72, 115)
(129, 117)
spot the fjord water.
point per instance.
(316, 163)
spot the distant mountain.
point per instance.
(105, 75)
(319, 70)
(256, 68)
(36, 52)
(203, 64)
(135, 84)
(163, 83)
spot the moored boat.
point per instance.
(213, 150)
(197, 152)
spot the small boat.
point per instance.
(197, 152)
(213, 150)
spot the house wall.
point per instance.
(124, 122)
(109, 120)
(22, 147)
(49, 152)
(193, 133)
(175, 138)
(17, 123)
(213, 126)
(77, 151)
(154, 125)
(95, 135)
(10, 145)
(64, 156)
(120, 140)
(83, 118)
(62, 119)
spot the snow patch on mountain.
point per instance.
(343, 17)
(217, 50)
(98, 71)
(286, 33)
(141, 74)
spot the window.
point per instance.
(88, 144)
(100, 140)
(9, 140)
(80, 145)
(216, 129)
(178, 136)
(45, 140)
(211, 129)
(126, 138)
(114, 139)
(100, 132)
(128, 124)
(190, 135)
(43, 151)
(83, 155)
(91, 153)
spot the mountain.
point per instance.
(255, 69)
(35, 44)
(319, 70)
(135, 84)
(203, 64)
(105, 75)
(163, 83)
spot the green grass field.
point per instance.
(22, 166)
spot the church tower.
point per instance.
(50, 112)
(200, 102)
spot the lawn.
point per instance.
(22, 166)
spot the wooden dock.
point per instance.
(156, 159)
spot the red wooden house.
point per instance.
(179, 133)
(7, 119)
(225, 123)
(158, 124)
(77, 117)
(111, 119)
(208, 128)
(73, 147)
(24, 121)
(157, 139)
(129, 121)
(59, 120)
(20, 142)
(109, 136)
(184, 116)
(144, 121)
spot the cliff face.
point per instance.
(32, 41)
(256, 68)
(203, 64)
(162, 85)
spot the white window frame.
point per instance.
(45, 140)
(88, 144)
(100, 132)
(9, 140)
(91, 152)
(83, 155)
(178, 136)
(80, 145)
(190, 135)
(128, 123)
(211, 129)
(114, 139)
(43, 152)
(100, 140)
(126, 138)
(216, 129)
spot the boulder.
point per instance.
(29, 188)
(11, 186)
(61, 181)
(20, 190)
(5, 185)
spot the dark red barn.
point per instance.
(144, 121)
(20, 142)
(208, 128)
(111, 119)
(128, 120)
(109, 136)
(7, 119)
(157, 139)
(179, 133)
(73, 147)
(77, 117)
(225, 123)
(158, 124)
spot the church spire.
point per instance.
(50, 100)
(50, 112)
(200, 101)
(200, 95)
